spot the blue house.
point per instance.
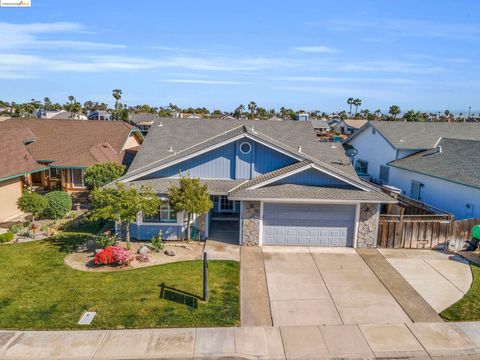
(272, 183)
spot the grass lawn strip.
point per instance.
(38, 291)
(468, 308)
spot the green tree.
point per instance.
(394, 111)
(357, 103)
(117, 94)
(47, 103)
(59, 203)
(101, 174)
(252, 107)
(191, 197)
(412, 115)
(32, 203)
(350, 102)
(122, 204)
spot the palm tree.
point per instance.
(350, 102)
(357, 102)
(117, 94)
(394, 110)
(47, 103)
(252, 107)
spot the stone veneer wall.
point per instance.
(368, 226)
(251, 223)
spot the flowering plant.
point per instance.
(142, 258)
(112, 255)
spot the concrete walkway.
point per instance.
(254, 303)
(439, 277)
(411, 302)
(367, 341)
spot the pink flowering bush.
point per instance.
(121, 256)
(112, 255)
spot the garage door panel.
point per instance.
(308, 224)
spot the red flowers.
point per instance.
(112, 255)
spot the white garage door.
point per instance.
(308, 224)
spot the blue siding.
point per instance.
(228, 162)
(243, 168)
(266, 160)
(216, 164)
(312, 177)
(147, 231)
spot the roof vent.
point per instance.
(438, 149)
(160, 124)
(253, 130)
(299, 149)
(333, 146)
(170, 149)
(401, 140)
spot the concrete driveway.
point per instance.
(315, 286)
(439, 277)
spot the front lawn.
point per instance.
(38, 291)
(468, 308)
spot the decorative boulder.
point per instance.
(170, 252)
(143, 250)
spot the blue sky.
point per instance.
(304, 54)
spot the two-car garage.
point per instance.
(308, 224)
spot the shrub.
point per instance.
(59, 203)
(32, 203)
(106, 239)
(112, 255)
(101, 174)
(6, 237)
(16, 228)
(157, 242)
(26, 233)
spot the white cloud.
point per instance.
(390, 66)
(315, 49)
(330, 79)
(196, 81)
(29, 36)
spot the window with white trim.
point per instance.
(55, 174)
(77, 178)
(165, 214)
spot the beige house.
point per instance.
(51, 154)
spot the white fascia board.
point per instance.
(312, 201)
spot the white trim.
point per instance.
(202, 151)
(260, 226)
(82, 174)
(240, 222)
(316, 201)
(249, 148)
(357, 225)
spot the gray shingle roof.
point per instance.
(161, 186)
(303, 192)
(142, 118)
(187, 136)
(458, 161)
(422, 135)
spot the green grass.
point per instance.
(38, 291)
(468, 308)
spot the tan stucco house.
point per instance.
(48, 154)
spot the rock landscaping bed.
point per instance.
(141, 254)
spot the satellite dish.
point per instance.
(351, 152)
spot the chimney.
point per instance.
(299, 149)
(170, 149)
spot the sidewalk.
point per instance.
(406, 341)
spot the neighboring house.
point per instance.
(99, 115)
(302, 116)
(67, 147)
(379, 143)
(349, 126)
(320, 126)
(274, 182)
(16, 164)
(185, 115)
(59, 114)
(447, 176)
(142, 121)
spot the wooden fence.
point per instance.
(422, 231)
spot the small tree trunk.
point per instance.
(188, 227)
(127, 234)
